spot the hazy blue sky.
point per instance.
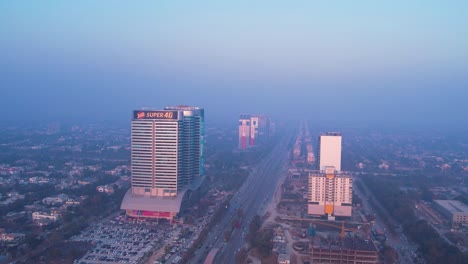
(346, 61)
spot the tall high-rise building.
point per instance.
(253, 130)
(329, 150)
(167, 157)
(330, 193)
(194, 136)
(330, 189)
(244, 131)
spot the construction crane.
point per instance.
(342, 234)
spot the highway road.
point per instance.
(398, 241)
(252, 197)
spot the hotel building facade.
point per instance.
(330, 193)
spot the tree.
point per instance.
(426, 194)
(241, 256)
(254, 228)
(255, 224)
(240, 212)
(389, 254)
(227, 235)
(264, 242)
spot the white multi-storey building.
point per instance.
(330, 189)
(154, 156)
(45, 215)
(330, 193)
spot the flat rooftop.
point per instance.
(331, 134)
(181, 107)
(453, 206)
(152, 203)
(348, 243)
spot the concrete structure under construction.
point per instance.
(454, 210)
(167, 155)
(330, 193)
(350, 250)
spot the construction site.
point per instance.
(299, 238)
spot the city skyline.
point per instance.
(399, 63)
(196, 132)
(396, 192)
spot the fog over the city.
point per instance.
(361, 62)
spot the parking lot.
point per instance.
(119, 242)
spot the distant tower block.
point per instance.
(244, 131)
(253, 130)
(254, 122)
